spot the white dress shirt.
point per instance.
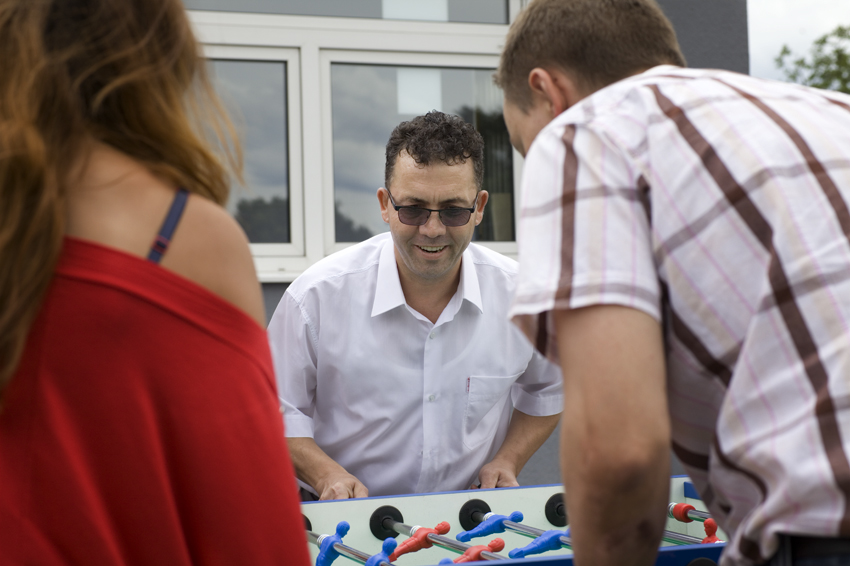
(403, 404)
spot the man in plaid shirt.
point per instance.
(685, 254)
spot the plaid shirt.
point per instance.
(718, 204)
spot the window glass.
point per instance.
(255, 95)
(368, 101)
(472, 11)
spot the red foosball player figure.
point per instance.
(419, 540)
(710, 532)
(473, 553)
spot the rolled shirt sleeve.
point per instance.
(539, 391)
(585, 236)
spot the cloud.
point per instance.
(796, 23)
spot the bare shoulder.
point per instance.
(210, 248)
(118, 202)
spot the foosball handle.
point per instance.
(491, 525)
(387, 548)
(679, 511)
(550, 540)
(327, 552)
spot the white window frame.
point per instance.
(433, 60)
(295, 184)
(309, 44)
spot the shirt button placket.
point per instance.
(430, 411)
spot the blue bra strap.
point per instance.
(160, 244)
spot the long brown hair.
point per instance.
(127, 73)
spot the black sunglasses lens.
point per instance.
(413, 216)
(455, 216)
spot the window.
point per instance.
(368, 101)
(472, 11)
(256, 86)
(315, 99)
(255, 95)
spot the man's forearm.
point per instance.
(615, 435)
(310, 462)
(321, 472)
(525, 435)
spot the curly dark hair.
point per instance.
(436, 136)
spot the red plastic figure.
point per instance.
(710, 532)
(419, 540)
(473, 553)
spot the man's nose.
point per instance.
(433, 227)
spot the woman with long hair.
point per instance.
(139, 422)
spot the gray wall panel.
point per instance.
(712, 33)
(272, 293)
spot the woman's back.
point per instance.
(142, 425)
(140, 422)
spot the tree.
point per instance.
(828, 63)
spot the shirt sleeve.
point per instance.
(539, 391)
(293, 342)
(585, 235)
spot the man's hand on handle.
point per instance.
(329, 479)
(497, 473)
(340, 485)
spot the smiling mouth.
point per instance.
(431, 249)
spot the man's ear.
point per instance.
(554, 87)
(483, 197)
(384, 202)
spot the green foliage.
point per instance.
(828, 63)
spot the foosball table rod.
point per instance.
(331, 547)
(476, 517)
(387, 520)
(685, 513)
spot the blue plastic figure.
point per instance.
(384, 556)
(491, 525)
(327, 552)
(550, 540)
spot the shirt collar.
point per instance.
(469, 280)
(388, 293)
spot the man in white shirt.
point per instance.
(397, 369)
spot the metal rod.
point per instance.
(669, 536)
(439, 540)
(698, 515)
(347, 551)
(524, 530)
(692, 514)
(519, 528)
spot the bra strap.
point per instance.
(160, 244)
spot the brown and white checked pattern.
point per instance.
(718, 204)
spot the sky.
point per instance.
(796, 23)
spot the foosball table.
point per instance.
(516, 526)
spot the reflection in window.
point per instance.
(255, 94)
(472, 11)
(368, 101)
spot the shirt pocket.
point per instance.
(485, 404)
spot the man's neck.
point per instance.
(429, 298)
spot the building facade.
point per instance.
(316, 86)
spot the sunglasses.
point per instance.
(418, 216)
